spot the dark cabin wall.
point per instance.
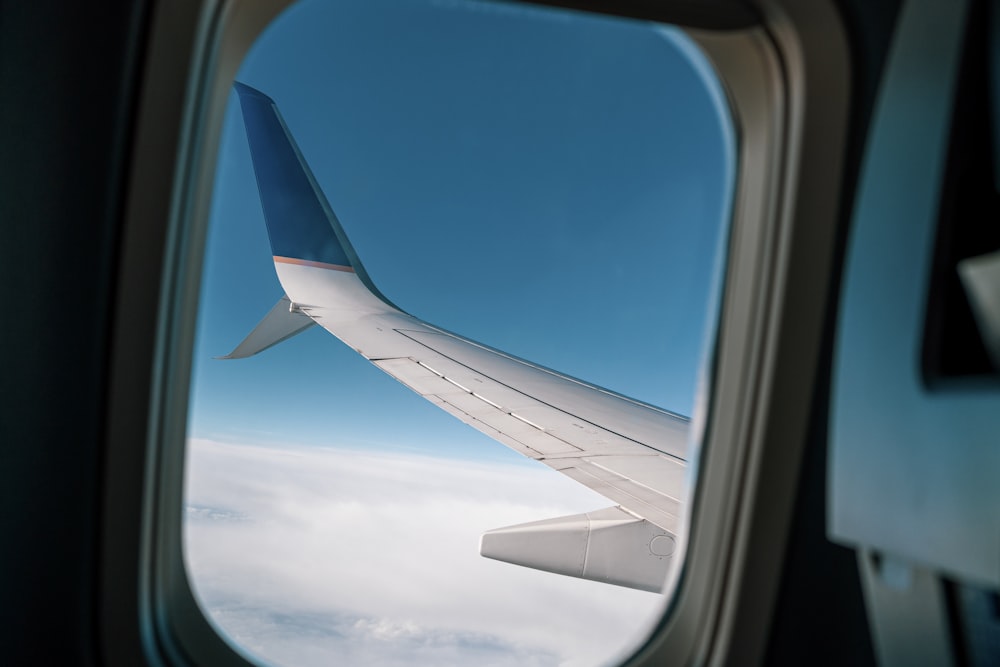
(67, 90)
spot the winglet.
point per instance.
(300, 223)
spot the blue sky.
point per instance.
(552, 184)
(555, 191)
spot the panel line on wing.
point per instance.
(457, 384)
(650, 505)
(649, 473)
(430, 369)
(483, 398)
(484, 428)
(527, 421)
(542, 402)
(434, 331)
(639, 477)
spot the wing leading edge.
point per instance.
(630, 452)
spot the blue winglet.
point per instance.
(300, 223)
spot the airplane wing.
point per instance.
(632, 453)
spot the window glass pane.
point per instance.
(548, 183)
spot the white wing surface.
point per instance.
(630, 452)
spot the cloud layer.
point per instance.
(307, 556)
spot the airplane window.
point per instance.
(513, 219)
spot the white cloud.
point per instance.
(306, 555)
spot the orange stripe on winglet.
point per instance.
(318, 265)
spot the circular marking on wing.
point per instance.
(662, 545)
